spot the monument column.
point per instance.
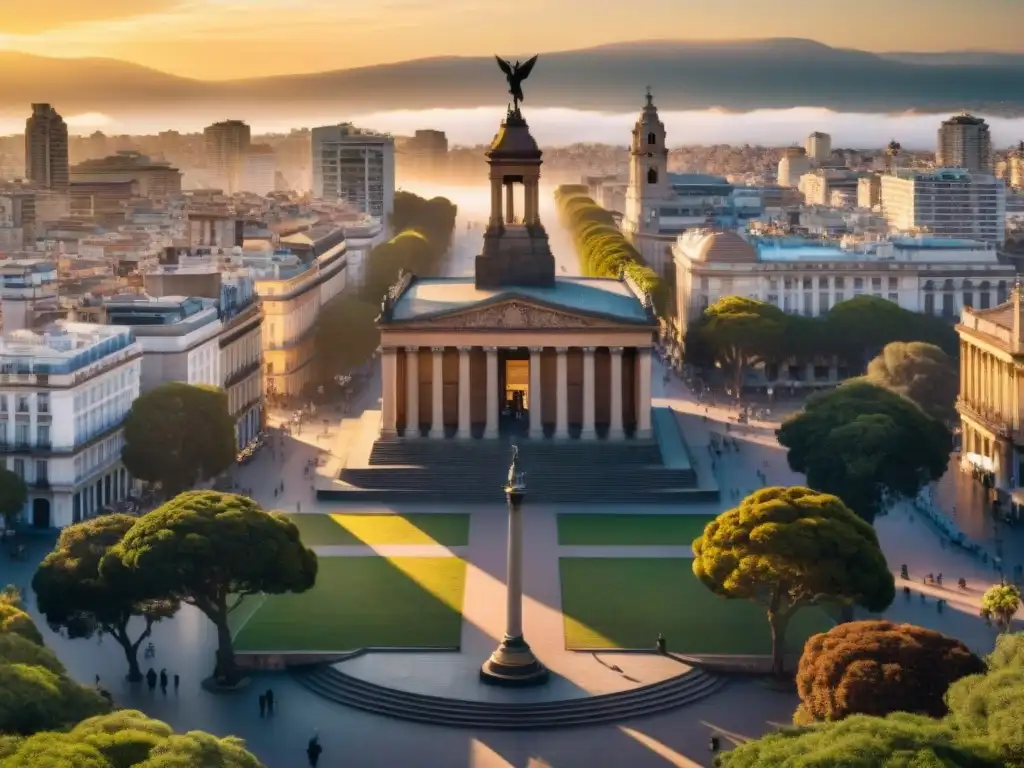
(562, 395)
(389, 369)
(464, 428)
(495, 203)
(491, 428)
(412, 391)
(615, 427)
(643, 393)
(437, 395)
(510, 207)
(536, 406)
(588, 433)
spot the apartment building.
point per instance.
(64, 393)
(355, 166)
(46, 148)
(965, 142)
(153, 178)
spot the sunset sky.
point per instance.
(218, 39)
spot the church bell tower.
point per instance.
(648, 171)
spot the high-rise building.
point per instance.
(792, 166)
(819, 147)
(226, 145)
(425, 153)
(965, 142)
(949, 202)
(356, 166)
(1016, 167)
(259, 170)
(46, 148)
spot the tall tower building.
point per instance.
(819, 147)
(965, 142)
(46, 148)
(1016, 167)
(226, 146)
(356, 166)
(648, 171)
(792, 166)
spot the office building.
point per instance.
(793, 165)
(259, 171)
(965, 142)
(28, 293)
(226, 146)
(869, 191)
(46, 148)
(819, 148)
(1016, 167)
(425, 154)
(947, 202)
(64, 393)
(153, 178)
(355, 166)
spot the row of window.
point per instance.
(22, 434)
(23, 403)
(42, 469)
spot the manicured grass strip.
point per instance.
(361, 602)
(626, 602)
(630, 530)
(450, 530)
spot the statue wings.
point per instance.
(505, 66)
(520, 72)
(524, 70)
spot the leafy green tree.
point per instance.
(179, 434)
(75, 598)
(1000, 604)
(920, 372)
(346, 335)
(988, 706)
(13, 495)
(863, 443)
(878, 667)
(212, 550)
(897, 741)
(740, 332)
(788, 548)
(860, 327)
(35, 691)
(124, 739)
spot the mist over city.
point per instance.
(478, 384)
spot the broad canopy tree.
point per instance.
(122, 739)
(1000, 604)
(920, 372)
(863, 443)
(76, 599)
(212, 550)
(13, 495)
(878, 667)
(788, 548)
(179, 434)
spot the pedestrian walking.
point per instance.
(163, 680)
(151, 679)
(263, 704)
(177, 682)
(314, 750)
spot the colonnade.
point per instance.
(403, 393)
(988, 384)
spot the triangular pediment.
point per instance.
(514, 314)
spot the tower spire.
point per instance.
(650, 97)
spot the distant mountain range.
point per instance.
(739, 76)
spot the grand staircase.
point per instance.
(557, 471)
(335, 685)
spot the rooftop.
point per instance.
(61, 348)
(432, 296)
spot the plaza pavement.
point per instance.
(356, 739)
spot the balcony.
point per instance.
(989, 419)
(15, 447)
(243, 373)
(42, 483)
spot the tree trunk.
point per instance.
(131, 650)
(778, 623)
(226, 670)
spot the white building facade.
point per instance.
(356, 166)
(64, 394)
(947, 202)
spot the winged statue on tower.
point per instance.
(516, 74)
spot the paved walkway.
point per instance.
(388, 550)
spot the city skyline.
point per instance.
(217, 39)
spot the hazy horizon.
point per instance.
(554, 127)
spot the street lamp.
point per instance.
(513, 663)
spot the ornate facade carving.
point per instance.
(515, 315)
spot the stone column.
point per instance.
(530, 198)
(510, 206)
(464, 427)
(412, 391)
(615, 431)
(643, 393)
(491, 429)
(437, 395)
(389, 369)
(536, 403)
(562, 393)
(495, 220)
(589, 432)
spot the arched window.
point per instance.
(1001, 292)
(651, 138)
(652, 176)
(968, 293)
(984, 297)
(929, 298)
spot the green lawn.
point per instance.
(626, 602)
(361, 602)
(450, 530)
(630, 530)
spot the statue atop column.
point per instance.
(516, 74)
(516, 477)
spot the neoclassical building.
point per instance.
(513, 349)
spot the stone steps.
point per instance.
(334, 685)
